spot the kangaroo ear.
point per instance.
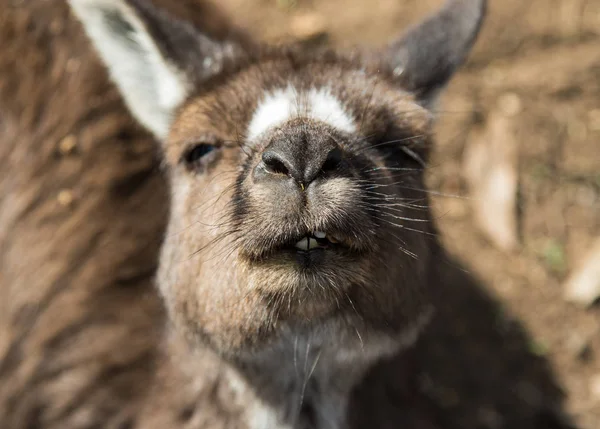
(154, 59)
(427, 55)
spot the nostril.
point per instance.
(333, 160)
(274, 163)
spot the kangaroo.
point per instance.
(298, 246)
(300, 242)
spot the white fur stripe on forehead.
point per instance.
(282, 105)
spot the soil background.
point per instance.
(536, 65)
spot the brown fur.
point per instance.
(79, 320)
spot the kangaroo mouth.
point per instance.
(319, 240)
(304, 246)
(310, 246)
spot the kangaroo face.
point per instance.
(297, 205)
(297, 194)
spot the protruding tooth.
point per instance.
(302, 244)
(332, 239)
(320, 234)
(313, 244)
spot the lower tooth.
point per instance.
(312, 243)
(302, 244)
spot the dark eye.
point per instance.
(197, 152)
(199, 156)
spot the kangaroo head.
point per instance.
(298, 202)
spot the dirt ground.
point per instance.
(537, 68)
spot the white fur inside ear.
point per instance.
(151, 86)
(282, 105)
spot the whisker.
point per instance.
(415, 137)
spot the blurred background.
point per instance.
(518, 159)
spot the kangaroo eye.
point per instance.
(201, 152)
(197, 152)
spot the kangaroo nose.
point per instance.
(301, 160)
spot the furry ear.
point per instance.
(427, 55)
(154, 59)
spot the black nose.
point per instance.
(302, 159)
